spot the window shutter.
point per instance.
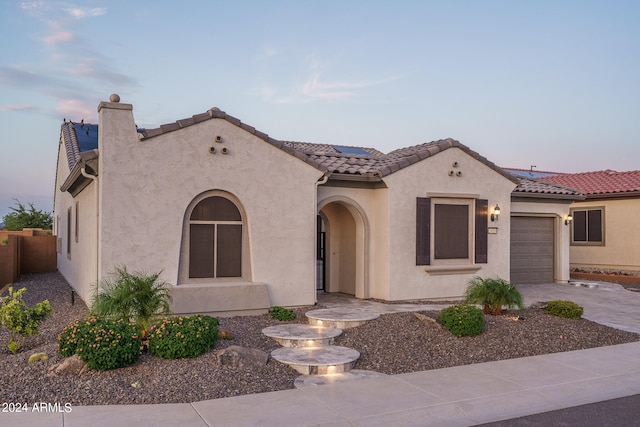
(423, 231)
(482, 211)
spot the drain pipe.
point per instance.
(94, 178)
(319, 182)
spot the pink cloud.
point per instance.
(58, 37)
(16, 107)
(76, 110)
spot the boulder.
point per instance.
(427, 319)
(69, 366)
(241, 357)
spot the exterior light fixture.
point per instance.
(568, 219)
(496, 213)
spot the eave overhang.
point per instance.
(76, 181)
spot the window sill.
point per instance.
(452, 269)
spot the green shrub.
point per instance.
(567, 309)
(184, 336)
(282, 314)
(5, 241)
(101, 342)
(462, 320)
(139, 298)
(493, 294)
(68, 338)
(20, 321)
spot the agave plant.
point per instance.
(138, 298)
(493, 294)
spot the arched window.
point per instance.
(215, 239)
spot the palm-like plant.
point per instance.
(493, 294)
(138, 298)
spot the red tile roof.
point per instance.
(600, 182)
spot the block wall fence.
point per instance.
(26, 251)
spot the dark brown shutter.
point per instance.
(423, 231)
(482, 211)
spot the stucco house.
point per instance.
(605, 230)
(239, 222)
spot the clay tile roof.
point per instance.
(78, 138)
(357, 162)
(536, 187)
(606, 182)
(371, 162)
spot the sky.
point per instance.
(552, 84)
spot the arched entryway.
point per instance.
(345, 251)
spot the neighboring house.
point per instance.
(531, 173)
(238, 222)
(605, 230)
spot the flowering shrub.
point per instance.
(103, 343)
(183, 336)
(282, 314)
(462, 320)
(567, 309)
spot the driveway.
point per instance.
(606, 303)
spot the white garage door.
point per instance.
(531, 250)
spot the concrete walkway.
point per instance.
(458, 396)
(606, 303)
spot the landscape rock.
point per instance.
(69, 366)
(427, 319)
(539, 305)
(241, 357)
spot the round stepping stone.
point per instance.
(317, 380)
(317, 360)
(301, 335)
(340, 317)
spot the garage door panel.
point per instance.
(532, 255)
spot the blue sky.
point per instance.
(553, 84)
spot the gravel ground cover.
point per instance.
(392, 344)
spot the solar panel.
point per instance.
(352, 150)
(87, 136)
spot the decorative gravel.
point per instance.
(391, 344)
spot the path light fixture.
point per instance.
(496, 213)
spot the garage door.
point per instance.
(532, 250)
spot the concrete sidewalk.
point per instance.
(458, 396)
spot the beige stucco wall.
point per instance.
(146, 187)
(558, 211)
(621, 250)
(431, 178)
(79, 269)
(367, 211)
(388, 217)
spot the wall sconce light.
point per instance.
(568, 219)
(496, 213)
